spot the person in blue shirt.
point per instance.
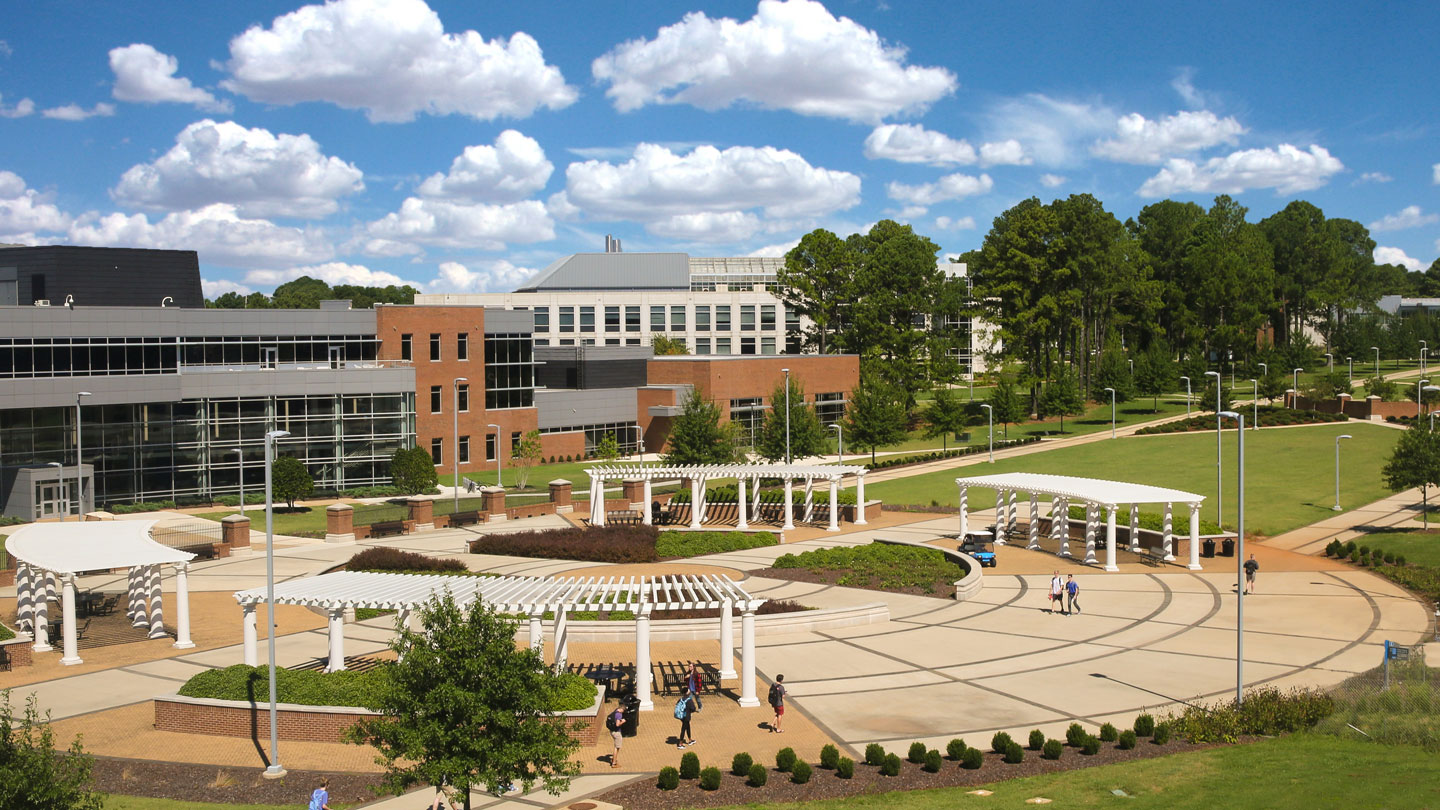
(1072, 589)
(320, 799)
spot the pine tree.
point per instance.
(807, 435)
(1062, 398)
(1155, 373)
(697, 437)
(1007, 404)
(1113, 371)
(876, 416)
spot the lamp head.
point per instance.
(1343, 436)
(1111, 390)
(53, 464)
(985, 406)
(1430, 388)
(459, 380)
(84, 394)
(277, 434)
(1215, 374)
(497, 427)
(1229, 415)
(835, 427)
(1298, 370)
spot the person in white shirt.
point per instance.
(1057, 594)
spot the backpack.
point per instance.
(775, 693)
(613, 723)
(680, 708)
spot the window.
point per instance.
(509, 371)
(722, 318)
(632, 341)
(462, 398)
(406, 351)
(587, 319)
(462, 346)
(747, 318)
(767, 318)
(567, 319)
(749, 414)
(436, 395)
(612, 319)
(747, 345)
(437, 451)
(514, 443)
(612, 341)
(434, 346)
(464, 450)
(722, 345)
(632, 319)
(542, 319)
(657, 319)
(702, 345)
(567, 341)
(767, 345)
(702, 318)
(830, 407)
(489, 446)
(677, 318)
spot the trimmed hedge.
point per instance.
(845, 768)
(1270, 416)
(694, 544)
(6, 633)
(1000, 742)
(710, 778)
(1052, 749)
(1090, 746)
(891, 765)
(800, 772)
(878, 566)
(758, 775)
(1074, 735)
(785, 759)
(740, 765)
(941, 455)
(613, 544)
(1162, 734)
(1014, 754)
(829, 757)
(1127, 740)
(1108, 733)
(1144, 725)
(973, 759)
(142, 506)
(955, 749)
(689, 765)
(393, 560)
(932, 761)
(917, 752)
(1037, 739)
(669, 778)
(874, 754)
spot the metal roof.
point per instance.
(613, 271)
(1093, 490)
(70, 548)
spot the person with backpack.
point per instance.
(777, 702)
(616, 723)
(1252, 567)
(1072, 590)
(320, 799)
(695, 682)
(685, 708)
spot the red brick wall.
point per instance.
(725, 378)
(20, 652)
(656, 430)
(561, 445)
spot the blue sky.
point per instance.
(460, 146)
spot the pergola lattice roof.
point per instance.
(641, 471)
(70, 548)
(1092, 490)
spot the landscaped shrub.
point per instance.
(1162, 733)
(143, 506)
(615, 544)
(999, 742)
(694, 544)
(1051, 749)
(891, 765)
(1108, 733)
(972, 759)
(785, 759)
(1350, 548)
(1266, 711)
(878, 566)
(758, 775)
(1090, 746)
(1355, 557)
(1364, 551)
(955, 749)
(1074, 735)
(933, 760)
(1144, 725)
(689, 765)
(740, 765)
(874, 754)
(393, 560)
(1014, 753)
(1399, 559)
(829, 755)
(710, 778)
(917, 752)
(1126, 741)
(1389, 558)
(1037, 739)
(845, 768)
(669, 778)
(800, 772)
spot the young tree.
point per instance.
(1273, 385)
(1113, 371)
(32, 773)
(945, 417)
(527, 454)
(1415, 462)
(1007, 404)
(607, 449)
(1155, 373)
(1062, 398)
(1205, 400)
(413, 472)
(697, 437)
(1380, 387)
(876, 416)
(465, 706)
(807, 435)
(290, 480)
(665, 345)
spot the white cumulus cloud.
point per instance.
(792, 55)
(514, 168)
(775, 251)
(1374, 177)
(1052, 131)
(19, 109)
(1408, 217)
(1051, 180)
(1287, 169)
(912, 143)
(329, 272)
(495, 276)
(950, 187)
(1394, 255)
(1140, 140)
(25, 211)
(74, 112)
(146, 75)
(260, 173)
(392, 59)
(461, 226)
(217, 232)
(1004, 153)
(955, 224)
(1436, 169)
(214, 288)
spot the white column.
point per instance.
(809, 511)
(789, 506)
(182, 608)
(24, 598)
(1064, 527)
(645, 516)
(1110, 539)
(537, 634)
(727, 639)
(1092, 528)
(247, 627)
(1055, 521)
(964, 511)
(136, 612)
(747, 659)
(834, 506)
(1194, 537)
(597, 501)
(704, 500)
(67, 613)
(1012, 513)
(695, 502)
(999, 517)
(1034, 521)
(741, 510)
(860, 500)
(157, 605)
(1134, 527)
(642, 660)
(42, 611)
(337, 639)
(562, 638)
(1167, 533)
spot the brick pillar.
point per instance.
(634, 493)
(561, 494)
(1370, 403)
(422, 513)
(235, 532)
(494, 500)
(339, 523)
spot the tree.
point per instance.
(1205, 401)
(1155, 373)
(290, 480)
(697, 437)
(1062, 398)
(32, 773)
(876, 415)
(1113, 371)
(946, 416)
(607, 448)
(807, 435)
(1273, 385)
(815, 282)
(229, 300)
(411, 470)
(665, 345)
(465, 706)
(1006, 404)
(1415, 462)
(526, 455)
(1380, 387)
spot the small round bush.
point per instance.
(1090, 746)
(758, 775)
(829, 755)
(891, 765)
(1162, 734)
(955, 749)
(933, 760)
(1364, 551)
(1037, 739)
(1399, 559)
(1051, 749)
(710, 778)
(972, 759)
(800, 772)
(917, 752)
(1389, 558)
(1074, 735)
(874, 754)
(999, 742)
(1144, 725)
(1126, 741)
(784, 759)
(1014, 753)
(669, 778)
(740, 765)
(1350, 548)
(690, 765)
(845, 768)
(1108, 733)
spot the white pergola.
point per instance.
(1097, 494)
(44, 551)
(532, 596)
(744, 474)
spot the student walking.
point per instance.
(1251, 569)
(1057, 594)
(320, 799)
(684, 710)
(1072, 591)
(616, 724)
(695, 682)
(776, 699)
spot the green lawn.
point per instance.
(1289, 471)
(540, 475)
(303, 519)
(1295, 771)
(1418, 546)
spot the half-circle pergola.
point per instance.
(743, 474)
(1097, 494)
(533, 596)
(44, 551)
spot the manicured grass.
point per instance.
(1289, 472)
(1295, 771)
(1418, 547)
(303, 519)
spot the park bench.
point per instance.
(385, 527)
(673, 673)
(465, 518)
(618, 516)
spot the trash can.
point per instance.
(1207, 548)
(631, 726)
(1227, 547)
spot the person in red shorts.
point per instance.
(777, 702)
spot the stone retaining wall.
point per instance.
(966, 587)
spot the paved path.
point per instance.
(1397, 510)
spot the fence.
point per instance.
(187, 534)
(446, 506)
(370, 514)
(1398, 702)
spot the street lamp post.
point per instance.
(274, 771)
(1187, 395)
(1330, 359)
(1424, 350)
(499, 458)
(60, 479)
(1219, 493)
(455, 489)
(1376, 349)
(1420, 398)
(1255, 403)
(639, 442)
(1112, 411)
(1350, 361)
(79, 479)
(1239, 562)
(240, 458)
(787, 414)
(990, 421)
(1336, 507)
(840, 442)
(1295, 402)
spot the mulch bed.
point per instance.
(943, 588)
(224, 785)
(825, 784)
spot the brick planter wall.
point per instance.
(19, 649)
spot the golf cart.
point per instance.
(981, 546)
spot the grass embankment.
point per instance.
(118, 802)
(1289, 478)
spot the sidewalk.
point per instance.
(1396, 510)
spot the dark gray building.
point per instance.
(99, 276)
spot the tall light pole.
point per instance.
(1424, 349)
(1330, 359)
(60, 479)
(1350, 361)
(840, 442)
(1295, 402)
(1219, 493)
(499, 458)
(455, 386)
(79, 479)
(990, 420)
(274, 771)
(1112, 411)
(639, 441)
(1376, 349)
(1187, 395)
(1239, 563)
(787, 414)
(240, 459)
(1336, 507)
(1420, 398)
(1255, 403)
